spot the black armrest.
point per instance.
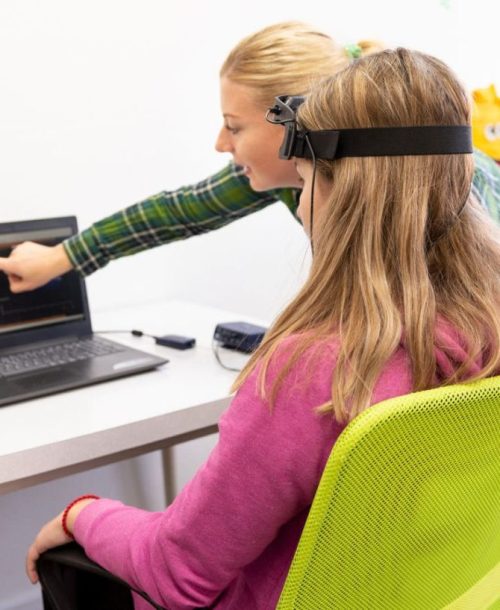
(72, 581)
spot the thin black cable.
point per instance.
(451, 223)
(136, 333)
(313, 181)
(139, 333)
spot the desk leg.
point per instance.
(167, 456)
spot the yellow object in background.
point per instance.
(486, 121)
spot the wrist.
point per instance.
(72, 511)
(60, 260)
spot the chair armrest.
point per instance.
(73, 556)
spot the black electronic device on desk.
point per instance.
(240, 336)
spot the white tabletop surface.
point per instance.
(56, 435)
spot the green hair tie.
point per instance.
(353, 51)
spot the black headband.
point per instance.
(365, 142)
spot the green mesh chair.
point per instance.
(407, 513)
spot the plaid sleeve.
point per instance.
(486, 183)
(169, 216)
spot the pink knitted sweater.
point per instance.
(229, 537)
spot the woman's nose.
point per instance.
(223, 142)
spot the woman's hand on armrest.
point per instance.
(52, 534)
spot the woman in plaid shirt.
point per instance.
(278, 58)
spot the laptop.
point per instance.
(46, 339)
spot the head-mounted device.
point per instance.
(364, 142)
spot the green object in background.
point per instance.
(407, 513)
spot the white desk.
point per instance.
(57, 435)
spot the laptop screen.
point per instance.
(52, 310)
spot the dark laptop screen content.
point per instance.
(58, 302)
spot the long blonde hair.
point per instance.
(395, 249)
(287, 57)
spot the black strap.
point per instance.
(385, 141)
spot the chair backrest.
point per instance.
(407, 513)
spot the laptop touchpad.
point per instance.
(47, 379)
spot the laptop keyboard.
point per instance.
(55, 355)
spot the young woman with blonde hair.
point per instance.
(403, 294)
(403, 251)
(286, 57)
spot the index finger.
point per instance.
(5, 264)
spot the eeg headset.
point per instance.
(331, 144)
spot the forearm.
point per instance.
(167, 217)
(129, 543)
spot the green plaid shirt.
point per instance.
(209, 205)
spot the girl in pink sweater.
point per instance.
(403, 295)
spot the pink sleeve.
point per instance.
(263, 471)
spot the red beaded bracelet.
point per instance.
(64, 518)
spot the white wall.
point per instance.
(108, 101)
(104, 102)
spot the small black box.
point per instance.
(176, 341)
(241, 336)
